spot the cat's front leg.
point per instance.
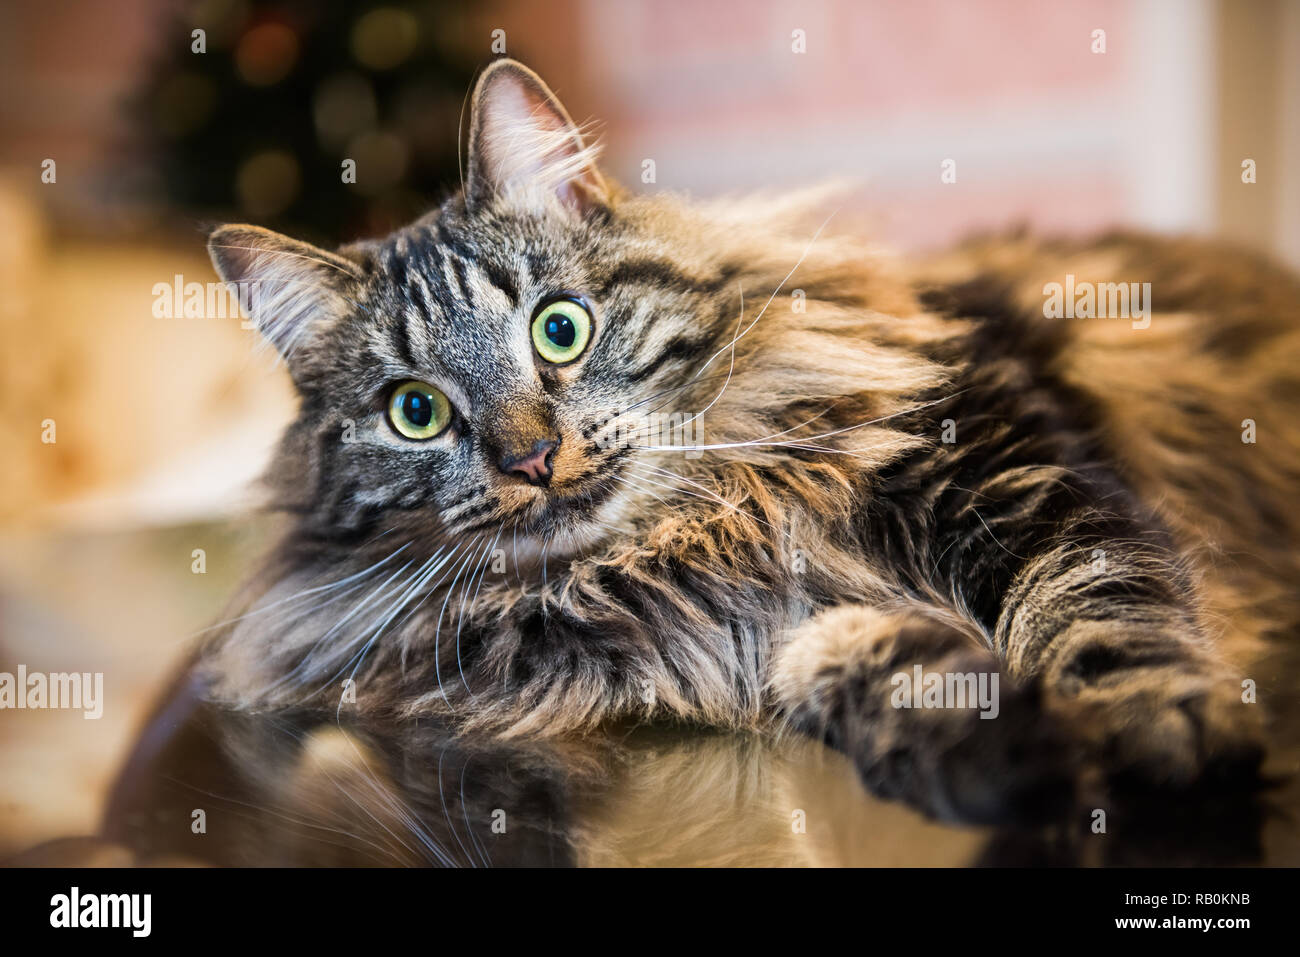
(927, 714)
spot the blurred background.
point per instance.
(131, 438)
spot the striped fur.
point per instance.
(822, 535)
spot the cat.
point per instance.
(869, 467)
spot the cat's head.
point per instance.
(461, 374)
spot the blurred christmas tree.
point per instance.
(336, 120)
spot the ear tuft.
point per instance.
(284, 285)
(524, 148)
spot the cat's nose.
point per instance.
(535, 467)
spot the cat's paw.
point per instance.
(1169, 727)
(962, 743)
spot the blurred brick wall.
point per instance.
(1042, 129)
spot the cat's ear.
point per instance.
(286, 286)
(524, 148)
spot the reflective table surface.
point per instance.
(209, 787)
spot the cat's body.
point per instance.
(897, 466)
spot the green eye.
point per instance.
(418, 410)
(561, 330)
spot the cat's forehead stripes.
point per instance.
(447, 274)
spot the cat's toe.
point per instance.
(1173, 730)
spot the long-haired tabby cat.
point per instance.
(870, 468)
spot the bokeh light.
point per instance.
(344, 105)
(268, 183)
(266, 54)
(385, 38)
(381, 160)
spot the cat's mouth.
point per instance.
(563, 509)
(574, 512)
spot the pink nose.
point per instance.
(535, 467)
